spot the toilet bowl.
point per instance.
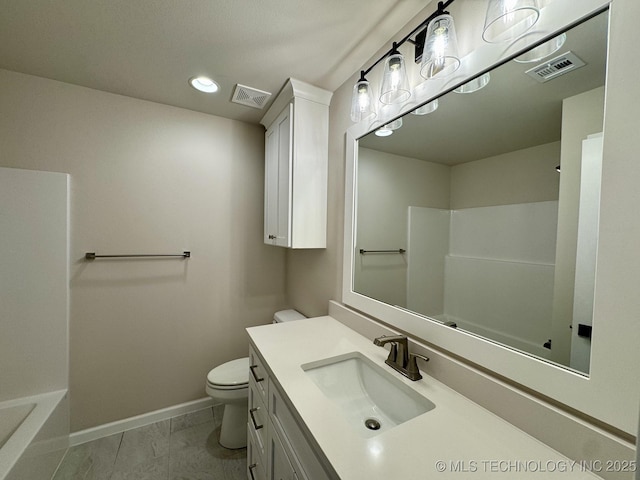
(229, 384)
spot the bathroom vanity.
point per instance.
(305, 382)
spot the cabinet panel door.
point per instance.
(280, 467)
(278, 180)
(271, 185)
(285, 152)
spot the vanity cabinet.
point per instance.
(296, 161)
(277, 446)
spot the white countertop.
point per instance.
(457, 439)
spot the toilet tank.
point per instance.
(287, 316)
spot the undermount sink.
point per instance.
(372, 399)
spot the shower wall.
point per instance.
(33, 282)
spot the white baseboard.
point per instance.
(84, 436)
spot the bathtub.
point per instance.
(34, 435)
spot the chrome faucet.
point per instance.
(399, 357)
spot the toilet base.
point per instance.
(233, 433)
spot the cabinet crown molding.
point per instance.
(292, 89)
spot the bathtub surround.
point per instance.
(33, 285)
(34, 316)
(148, 178)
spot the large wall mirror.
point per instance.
(481, 211)
(460, 231)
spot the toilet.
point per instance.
(229, 384)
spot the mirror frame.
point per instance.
(587, 394)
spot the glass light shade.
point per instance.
(440, 54)
(395, 83)
(427, 108)
(388, 129)
(362, 103)
(543, 50)
(507, 20)
(475, 84)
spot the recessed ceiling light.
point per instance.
(204, 84)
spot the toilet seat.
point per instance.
(233, 375)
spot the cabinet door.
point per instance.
(280, 467)
(255, 462)
(278, 175)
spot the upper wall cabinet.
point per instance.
(296, 159)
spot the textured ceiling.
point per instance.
(148, 49)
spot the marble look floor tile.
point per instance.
(195, 463)
(191, 419)
(236, 468)
(154, 469)
(90, 461)
(203, 435)
(142, 445)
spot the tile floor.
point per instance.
(181, 448)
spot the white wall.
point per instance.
(582, 115)
(149, 178)
(34, 295)
(387, 186)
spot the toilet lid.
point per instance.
(235, 372)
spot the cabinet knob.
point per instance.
(272, 237)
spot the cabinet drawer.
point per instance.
(259, 375)
(258, 420)
(256, 464)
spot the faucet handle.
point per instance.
(412, 367)
(393, 353)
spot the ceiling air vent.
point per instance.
(565, 63)
(251, 97)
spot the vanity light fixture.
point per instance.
(388, 129)
(475, 84)
(542, 51)
(507, 20)
(395, 83)
(362, 103)
(204, 84)
(440, 54)
(427, 108)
